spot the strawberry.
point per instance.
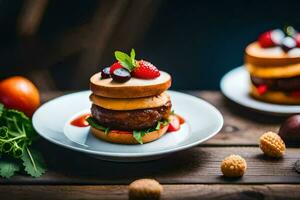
(174, 123)
(145, 70)
(115, 66)
(181, 119)
(297, 38)
(265, 40)
(262, 89)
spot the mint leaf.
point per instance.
(126, 60)
(121, 56)
(8, 168)
(33, 162)
(132, 56)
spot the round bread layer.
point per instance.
(132, 103)
(275, 71)
(115, 137)
(134, 88)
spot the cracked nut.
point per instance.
(272, 145)
(145, 189)
(233, 166)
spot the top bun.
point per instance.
(134, 88)
(267, 57)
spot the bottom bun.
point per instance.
(127, 138)
(274, 97)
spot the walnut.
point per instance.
(145, 189)
(272, 144)
(233, 166)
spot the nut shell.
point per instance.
(233, 166)
(272, 145)
(145, 189)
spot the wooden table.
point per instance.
(191, 174)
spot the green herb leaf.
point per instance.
(1, 109)
(33, 162)
(16, 134)
(8, 168)
(18, 122)
(132, 56)
(94, 124)
(126, 60)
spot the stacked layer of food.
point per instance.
(130, 104)
(273, 62)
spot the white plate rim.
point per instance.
(258, 105)
(132, 155)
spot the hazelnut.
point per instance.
(290, 130)
(272, 145)
(145, 189)
(233, 166)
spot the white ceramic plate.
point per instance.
(52, 122)
(235, 86)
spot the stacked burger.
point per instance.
(130, 104)
(273, 62)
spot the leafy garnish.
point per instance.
(161, 123)
(33, 162)
(137, 134)
(1, 109)
(16, 135)
(126, 61)
(8, 168)
(94, 124)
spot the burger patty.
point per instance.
(131, 119)
(278, 84)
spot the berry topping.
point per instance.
(121, 75)
(265, 40)
(115, 66)
(297, 38)
(288, 43)
(105, 73)
(145, 70)
(262, 89)
(277, 36)
(287, 39)
(139, 69)
(174, 123)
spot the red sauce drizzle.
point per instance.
(81, 121)
(181, 119)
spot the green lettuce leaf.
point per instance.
(92, 122)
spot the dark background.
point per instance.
(196, 41)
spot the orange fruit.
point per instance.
(19, 93)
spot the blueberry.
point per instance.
(276, 36)
(288, 43)
(121, 75)
(105, 73)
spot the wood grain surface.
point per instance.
(190, 174)
(171, 192)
